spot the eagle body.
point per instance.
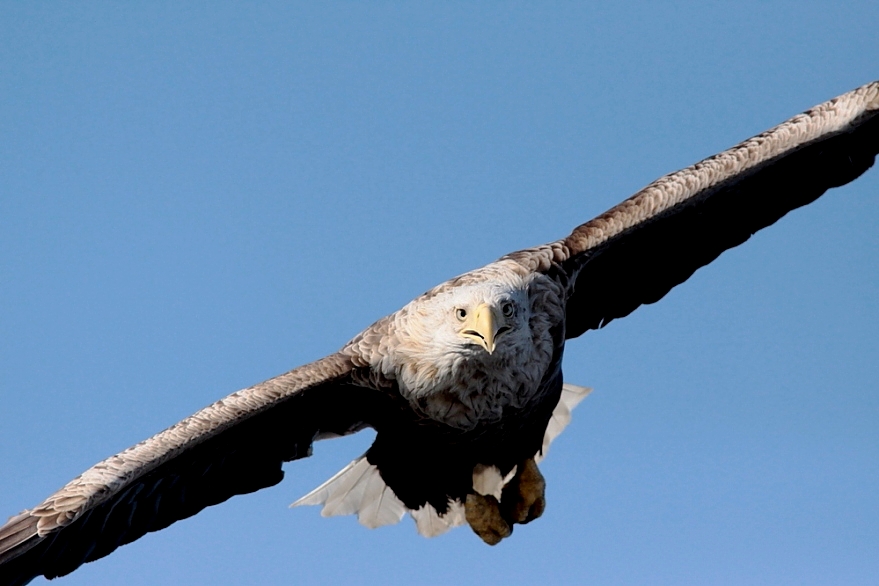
(463, 385)
(464, 407)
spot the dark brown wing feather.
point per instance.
(235, 446)
(636, 252)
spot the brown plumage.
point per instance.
(465, 379)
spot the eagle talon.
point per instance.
(484, 516)
(524, 498)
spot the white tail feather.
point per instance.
(359, 489)
(487, 480)
(319, 495)
(346, 498)
(561, 415)
(430, 524)
(379, 506)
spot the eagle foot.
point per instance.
(524, 497)
(483, 514)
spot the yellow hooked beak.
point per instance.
(484, 325)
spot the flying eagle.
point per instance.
(463, 385)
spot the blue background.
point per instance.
(196, 197)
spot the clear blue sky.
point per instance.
(194, 198)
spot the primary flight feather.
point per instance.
(464, 384)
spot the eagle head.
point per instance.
(465, 350)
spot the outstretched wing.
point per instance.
(235, 446)
(637, 251)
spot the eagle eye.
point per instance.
(508, 309)
(461, 313)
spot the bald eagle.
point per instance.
(463, 385)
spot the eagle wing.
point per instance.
(637, 251)
(234, 446)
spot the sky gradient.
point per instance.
(194, 198)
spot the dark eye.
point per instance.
(508, 309)
(461, 313)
